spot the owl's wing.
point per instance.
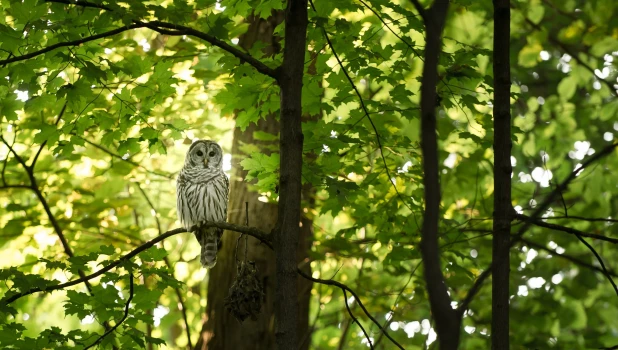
(182, 203)
(224, 203)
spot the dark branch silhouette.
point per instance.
(579, 235)
(448, 322)
(262, 236)
(158, 26)
(360, 303)
(537, 213)
(71, 43)
(114, 155)
(503, 209)
(181, 302)
(347, 306)
(420, 9)
(541, 223)
(38, 153)
(581, 218)
(124, 317)
(572, 259)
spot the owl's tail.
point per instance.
(209, 240)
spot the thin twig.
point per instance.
(246, 224)
(395, 303)
(582, 218)
(34, 187)
(181, 302)
(596, 254)
(126, 314)
(575, 260)
(6, 159)
(566, 229)
(553, 39)
(19, 159)
(114, 155)
(539, 210)
(360, 303)
(345, 297)
(421, 10)
(36, 156)
(364, 107)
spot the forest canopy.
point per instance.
(451, 165)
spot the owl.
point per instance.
(201, 194)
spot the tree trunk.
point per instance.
(447, 321)
(502, 177)
(220, 329)
(287, 234)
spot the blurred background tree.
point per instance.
(100, 101)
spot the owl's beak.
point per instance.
(205, 161)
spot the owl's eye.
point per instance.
(212, 153)
(199, 153)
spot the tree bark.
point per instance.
(503, 209)
(447, 320)
(220, 330)
(286, 235)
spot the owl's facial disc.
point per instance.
(207, 153)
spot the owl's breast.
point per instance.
(202, 200)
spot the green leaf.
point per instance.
(567, 88)
(153, 254)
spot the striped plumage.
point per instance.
(201, 194)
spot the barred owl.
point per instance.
(201, 194)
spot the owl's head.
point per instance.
(204, 154)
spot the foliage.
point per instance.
(112, 118)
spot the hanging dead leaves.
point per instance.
(246, 293)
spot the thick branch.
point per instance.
(71, 43)
(244, 57)
(81, 3)
(158, 26)
(251, 231)
(264, 237)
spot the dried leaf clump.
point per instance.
(246, 293)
